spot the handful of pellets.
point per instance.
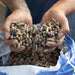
(34, 37)
(37, 59)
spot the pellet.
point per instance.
(50, 39)
(19, 45)
(45, 50)
(38, 58)
(36, 38)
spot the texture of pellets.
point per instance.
(38, 58)
(34, 36)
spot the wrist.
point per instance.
(20, 16)
(16, 4)
(23, 11)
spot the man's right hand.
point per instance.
(19, 16)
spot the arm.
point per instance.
(67, 6)
(20, 13)
(16, 4)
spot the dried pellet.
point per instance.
(36, 38)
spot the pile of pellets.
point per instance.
(37, 59)
(35, 38)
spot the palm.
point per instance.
(19, 16)
(60, 17)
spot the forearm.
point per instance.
(16, 4)
(67, 6)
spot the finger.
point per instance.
(11, 42)
(6, 35)
(22, 48)
(49, 50)
(55, 44)
(6, 29)
(64, 28)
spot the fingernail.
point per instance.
(61, 35)
(7, 35)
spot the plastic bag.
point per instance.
(66, 62)
(65, 65)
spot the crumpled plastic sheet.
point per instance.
(65, 64)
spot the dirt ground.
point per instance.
(2, 14)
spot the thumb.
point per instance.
(64, 29)
(6, 29)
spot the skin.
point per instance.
(58, 11)
(20, 13)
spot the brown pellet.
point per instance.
(36, 38)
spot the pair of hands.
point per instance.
(22, 16)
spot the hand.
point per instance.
(59, 16)
(19, 16)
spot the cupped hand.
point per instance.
(59, 16)
(19, 16)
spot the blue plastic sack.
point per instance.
(65, 64)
